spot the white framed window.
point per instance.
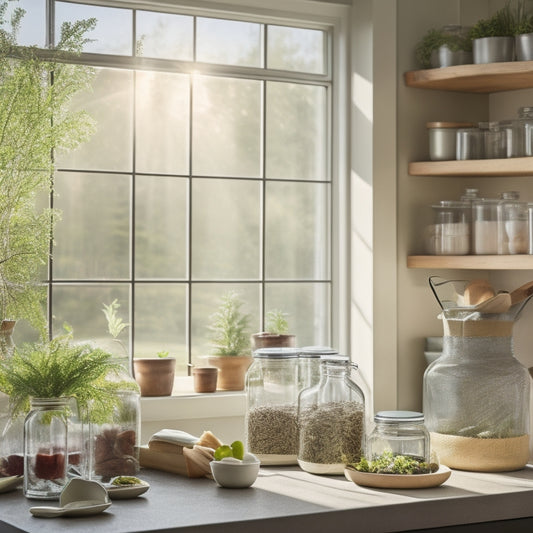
(214, 167)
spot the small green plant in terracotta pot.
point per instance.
(230, 339)
(276, 334)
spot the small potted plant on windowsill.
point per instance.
(493, 38)
(276, 334)
(231, 342)
(155, 375)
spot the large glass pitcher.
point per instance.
(476, 394)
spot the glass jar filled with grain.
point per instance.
(331, 419)
(271, 421)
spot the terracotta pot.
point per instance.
(155, 376)
(231, 370)
(270, 340)
(205, 378)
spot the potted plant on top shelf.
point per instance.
(35, 121)
(231, 342)
(524, 33)
(444, 47)
(493, 38)
(276, 334)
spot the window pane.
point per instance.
(93, 235)
(164, 35)
(297, 230)
(228, 42)
(226, 218)
(113, 32)
(161, 322)
(296, 131)
(82, 308)
(162, 123)
(296, 49)
(226, 127)
(33, 25)
(308, 306)
(161, 217)
(110, 105)
(205, 300)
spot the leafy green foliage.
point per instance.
(501, 24)
(434, 39)
(229, 328)
(276, 322)
(115, 324)
(61, 368)
(34, 122)
(162, 354)
(388, 463)
(524, 18)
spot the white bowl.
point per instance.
(234, 475)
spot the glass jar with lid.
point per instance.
(309, 365)
(400, 433)
(485, 226)
(271, 420)
(494, 140)
(450, 232)
(523, 133)
(513, 226)
(331, 419)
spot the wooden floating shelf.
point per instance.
(472, 262)
(485, 78)
(514, 166)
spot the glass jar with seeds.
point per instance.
(331, 419)
(309, 365)
(271, 421)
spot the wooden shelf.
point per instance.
(514, 166)
(485, 78)
(472, 262)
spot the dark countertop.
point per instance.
(285, 498)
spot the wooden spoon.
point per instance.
(523, 292)
(497, 304)
(477, 291)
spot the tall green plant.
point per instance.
(229, 327)
(501, 24)
(35, 90)
(276, 322)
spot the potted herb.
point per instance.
(35, 122)
(231, 343)
(493, 38)
(444, 47)
(524, 33)
(276, 334)
(155, 375)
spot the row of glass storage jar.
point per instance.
(484, 140)
(311, 407)
(481, 226)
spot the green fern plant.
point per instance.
(229, 327)
(35, 121)
(276, 322)
(62, 368)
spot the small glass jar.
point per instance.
(331, 419)
(485, 226)
(523, 133)
(494, 140)
(114, 441)
(401, 433)
(513, 226)
(45, 448)
(309, 365)
(450, 233)
(271, 420)
(469, 144)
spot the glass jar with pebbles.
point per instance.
(271, 421)
(331, 419)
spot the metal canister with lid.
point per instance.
(442, 139)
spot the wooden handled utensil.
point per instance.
(500, 303)
(522, 293)
(477, 291)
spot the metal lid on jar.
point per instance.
(310, 352)
(276, 353)
(399, 416)
(431, 125)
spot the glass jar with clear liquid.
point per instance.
(331, 419)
